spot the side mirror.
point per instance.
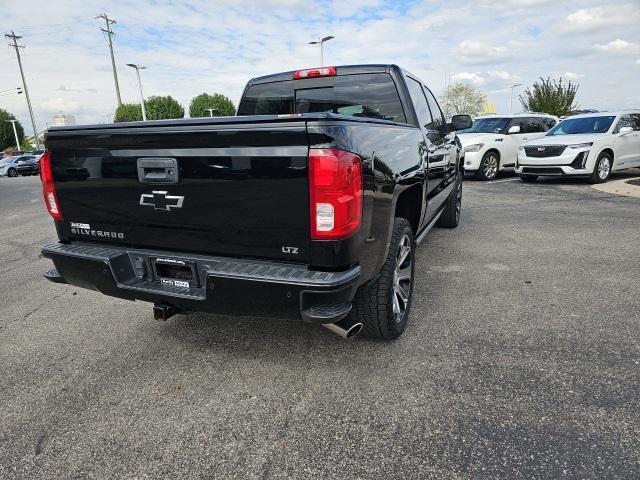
(514, 129)
(625, 130)
(461, 122)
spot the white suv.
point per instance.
(590, 145)
(491, 144)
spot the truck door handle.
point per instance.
(158, 170)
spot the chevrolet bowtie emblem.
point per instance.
(159, 200)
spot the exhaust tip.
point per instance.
(354, 330)
(344, 328)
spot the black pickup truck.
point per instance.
(307, 205)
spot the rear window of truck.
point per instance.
(363, 95)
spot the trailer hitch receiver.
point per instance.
(162, 312)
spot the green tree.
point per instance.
(7, 138)
(128, 112)
(551, 96)
(26, 145)
(222, 106)
(462, 98)
(160, 108)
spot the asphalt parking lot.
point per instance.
(522, 360)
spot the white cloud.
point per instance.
(618, 46)
(503, 76)
(600, 18)
(59, 103)
(492, 80)
(341, 8)
(476, 53)
(573, 76)
(468, 77)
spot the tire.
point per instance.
(489, 166)
(450, 217)
(12, 172)
(602, 168)
(378, 305)
(528, 178)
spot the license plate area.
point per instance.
(176, 273)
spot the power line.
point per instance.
(108, 22)
(15, 39)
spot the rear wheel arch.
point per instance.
(409, 206)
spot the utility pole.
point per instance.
(108, 22)
(15, 39)
(15, 133)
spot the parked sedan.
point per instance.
(591, 145)
(28, 165)
(9, 166)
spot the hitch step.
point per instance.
(162, 312)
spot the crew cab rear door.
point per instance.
(436, 154)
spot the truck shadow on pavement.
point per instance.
(261, 336)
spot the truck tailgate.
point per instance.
(237, 189)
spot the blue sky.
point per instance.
(206, 46)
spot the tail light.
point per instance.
(315, 72)
(335, 188)
(48, 187)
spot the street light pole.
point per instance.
(138, 68)
(211, 110)
(511, 98)
(15, 133)
(320, 42)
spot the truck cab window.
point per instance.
(436, 113)
(267, 99)
(361, 95)
(420, 103)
